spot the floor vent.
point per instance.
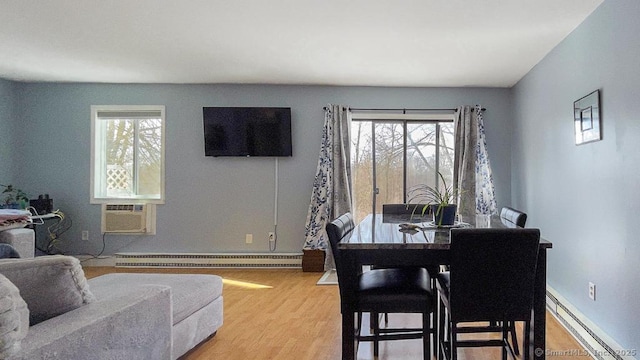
(598, 344)
(153, 260)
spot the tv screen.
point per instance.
(247, 131)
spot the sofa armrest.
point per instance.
(133, 324)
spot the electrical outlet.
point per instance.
(85, 235)
(272, 236)
(248, 238)
(592, 291)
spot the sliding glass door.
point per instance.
(389, 157)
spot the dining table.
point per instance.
(389, 240)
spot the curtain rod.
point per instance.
(403, 109)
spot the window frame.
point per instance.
(383, 117)
(98, 196)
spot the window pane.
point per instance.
(421, 154)
(149, 162)
(119, 157)
(128, 153)
(361, 169)
(447, 152)
(429, 150)
(389, 139)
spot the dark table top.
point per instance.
(384, 232)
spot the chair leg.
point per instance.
(434, 332)
(505, 339)
(426, 335)
(441, 332)
(375, 323)
(357, 346)
(453, 340)
(511, 325)
(371, 315)
(349, 338)
(526, 339)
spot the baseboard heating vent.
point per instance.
(152, 260)
(595, 340)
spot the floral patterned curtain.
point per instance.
(485, 189)
(472, 169)
(331, 193)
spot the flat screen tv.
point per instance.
(247, 131)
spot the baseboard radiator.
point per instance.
(599, 345)
(222, 260)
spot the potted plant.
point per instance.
(14, 198)
(440, 202)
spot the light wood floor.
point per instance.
(283, 314)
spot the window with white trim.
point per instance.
(127, 153)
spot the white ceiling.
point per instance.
(455, 43)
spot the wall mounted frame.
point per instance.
(586, 118)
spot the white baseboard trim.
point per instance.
(599, 345)
(209, 260)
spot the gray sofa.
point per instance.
(114, 316)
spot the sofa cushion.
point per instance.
(189, 292)
(50, 285)
(14, 318)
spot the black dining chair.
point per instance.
(394, 290)
(406, 212)
(511, 217)
(410, 213)
(491, 279)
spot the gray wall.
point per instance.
(586, 199)
(211, 203)
(7, 133)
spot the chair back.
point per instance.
(406, 211)
(512, 218)
(337, 230)
(492, 274)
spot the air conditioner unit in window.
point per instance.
(128, 218)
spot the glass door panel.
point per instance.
(362, 168)
(388, 164)
(423, 161)
(385, 165)
(422, 158)
(446, 151)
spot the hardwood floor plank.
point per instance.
(283, 314)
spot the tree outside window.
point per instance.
(401, 154)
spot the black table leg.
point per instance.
(539, 308)
(349, 282)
